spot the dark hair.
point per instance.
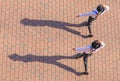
(100, 8)
(96, 44)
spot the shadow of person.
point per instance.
(54, 24)
(45, 59)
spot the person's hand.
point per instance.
(73, 49)
(78, 15)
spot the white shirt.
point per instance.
(93, 14)
(88, 49)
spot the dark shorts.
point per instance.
(90, 20)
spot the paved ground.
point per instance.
(37, 37)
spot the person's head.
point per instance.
(100, 8)
(96, 44)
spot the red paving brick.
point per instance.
(39, 36)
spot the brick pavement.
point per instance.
(36, 38)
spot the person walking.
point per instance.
(87, 51)
(100, 10)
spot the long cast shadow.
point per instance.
(46, 59)
(54, 24)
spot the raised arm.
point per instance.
(106, 9)
(87, 14)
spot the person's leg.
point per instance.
(79, 55)
(85, 59)
(90, 32)
(90, 20)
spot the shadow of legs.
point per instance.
(45, 59)
(54, 24)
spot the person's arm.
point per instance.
(106, 9)
(80, 49)
(102, 45)
(87, 14)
